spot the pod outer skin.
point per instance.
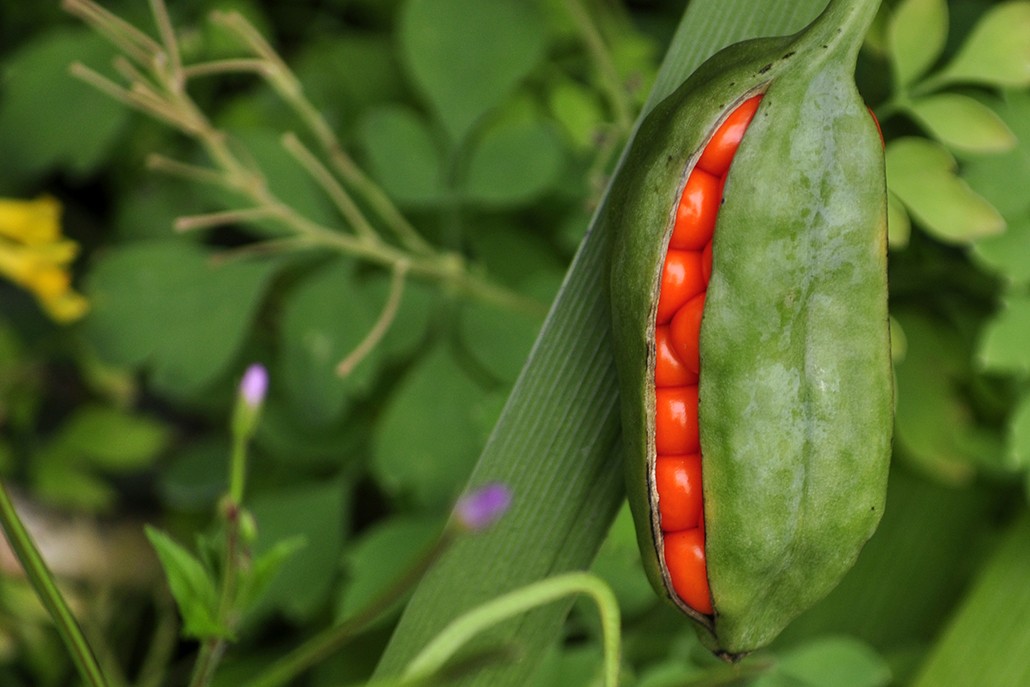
(796, 398)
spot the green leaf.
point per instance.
(425, 441)
(166, 306)
(963, 123)
(989, 631)
(403, 155)
(1004, 346)
(915, 38)
(933, 418)
(191, 586)
(316, 514)
(325, 318)
(556, 444)
(1019, 435)
(467, 55)
(513, 163)
(197, 476)
(899, 227)
(498, 340)
(997, 52)
(922, 175)
(256, 579)
(618, 564)
(113, 439)
(992, 175)
(48, 117)
(1006, 253)
(579, 111)
(927, 547)
(381, 555)
(837, 661)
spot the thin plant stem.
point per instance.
(285, 83)
(344, 203)
(220, 219)
(331, 640)
(466, 627)
(171, 46)
(130, 40)
(46, 589)
(231, 66)
(382, 325)
(610, 81)
(183, 170)
(166, 99)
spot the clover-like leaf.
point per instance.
(922, 174)
(963, 123)
(997, 52)
(915, 38)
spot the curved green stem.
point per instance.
(434, 656)
(46, 588)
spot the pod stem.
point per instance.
(843, 25)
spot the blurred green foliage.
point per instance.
(492, 126)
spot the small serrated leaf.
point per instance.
(922, 175)
(997, 51)
(963, 123)
(915, 38)
(191, 587)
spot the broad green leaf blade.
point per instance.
(403, 155)
(997, 53)
(963, 123)
(922, 175)
(48, 117)
(466, 55)
(427, 438)
(988, 639)
(165, 305)
(556, 444)
(915, 38)
(513, 163)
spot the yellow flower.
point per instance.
(34, 256)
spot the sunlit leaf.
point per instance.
(997, 52)
(1005, 340)
(922, 174)
(963, 123)
(915, 37)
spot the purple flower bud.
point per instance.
(482, 507)
(254, 385)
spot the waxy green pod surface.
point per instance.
(795, 391)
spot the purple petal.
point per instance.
(482, 507)
(254, 385)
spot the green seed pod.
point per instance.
(795, 391)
